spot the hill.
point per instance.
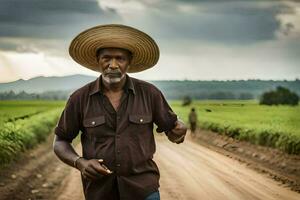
(61, 87)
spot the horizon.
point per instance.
(216, 80)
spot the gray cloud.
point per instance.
(224, 21)
(236, 22)
(49, 19)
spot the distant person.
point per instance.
(193, 120)
(115, 114)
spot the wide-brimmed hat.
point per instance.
(144, 50)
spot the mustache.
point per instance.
(113, 72)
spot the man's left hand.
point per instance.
(178, 133)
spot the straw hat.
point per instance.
(143, 48)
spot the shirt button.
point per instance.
(93, 122)
(118, 151)
(118, 165)
(141, 120)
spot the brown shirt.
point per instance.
(123, 138)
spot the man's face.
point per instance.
(113, 64)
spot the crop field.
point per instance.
(14, 110)
(274, 126)
(23, 124)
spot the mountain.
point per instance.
(230, 89)
(61, 87)
(42, 84)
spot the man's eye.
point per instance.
(121, 59)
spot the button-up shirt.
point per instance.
(123, 139)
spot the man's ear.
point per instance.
(130, 59)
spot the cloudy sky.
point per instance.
(198, 39)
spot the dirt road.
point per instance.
(189, 171)
(192, 172)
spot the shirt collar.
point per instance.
(97, 85)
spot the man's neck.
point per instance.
(114, 87)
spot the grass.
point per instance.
(274, 126)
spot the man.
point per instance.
(115, 115)
(193, 121)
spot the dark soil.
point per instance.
(37, 174)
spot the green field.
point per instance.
(14, 110)
(23, 124)
(274, 126)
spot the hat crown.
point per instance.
(144, 49)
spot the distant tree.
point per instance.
(280, 96)
(52, 95)
(187, 100)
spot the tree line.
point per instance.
(196, 90)
(62, 95)
(51, 95)
(279, 96)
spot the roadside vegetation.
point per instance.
(23, 124)
(272, 126)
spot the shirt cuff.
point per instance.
(168, 126)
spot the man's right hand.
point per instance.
(92, 169)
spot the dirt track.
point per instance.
(189, 171)
(192, 172)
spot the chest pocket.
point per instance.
(140, 124)
(94, 125)
(141, 128)
(140, 119)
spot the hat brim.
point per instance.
(144, 50)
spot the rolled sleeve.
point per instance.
(164, 117)
(68, 125)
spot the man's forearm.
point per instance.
(64, 151)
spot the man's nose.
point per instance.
(113, 64)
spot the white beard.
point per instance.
(111, 80)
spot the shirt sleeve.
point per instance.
(164, 117)
(68, 125)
